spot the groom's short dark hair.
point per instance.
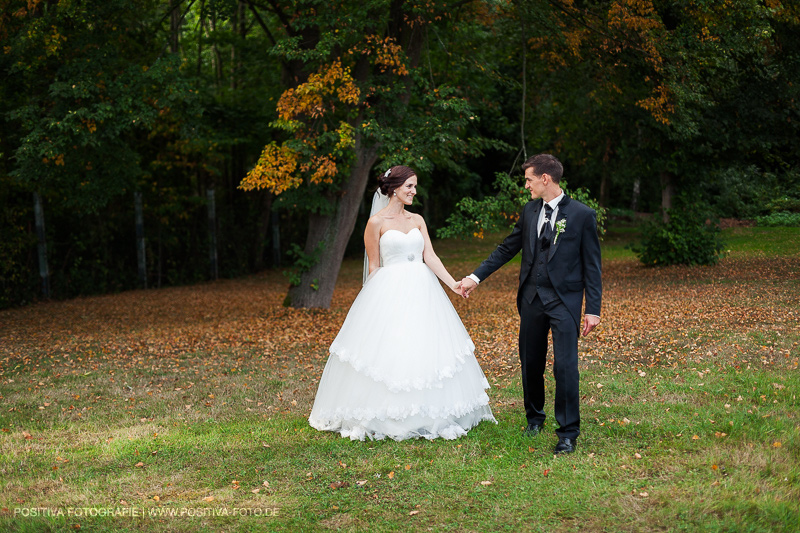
(545, 164)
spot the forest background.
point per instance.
(157, 143)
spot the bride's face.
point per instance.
(407, 191)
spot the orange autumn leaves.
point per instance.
(626, 25)
(329, 96)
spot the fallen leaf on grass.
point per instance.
(339, 485)
(208, 499)
(156, 498)
(546, 472)
(390, 475)
(644, 494)
(255, 491)
(486, 483)
(139, 464)
(412, 513)
(695, 437)
(776, 444)
(361, 482)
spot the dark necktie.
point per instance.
(547, 228)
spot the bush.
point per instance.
(499, 213)
(784, 203)
(784, 218)
(687, 239)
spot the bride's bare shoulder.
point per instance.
(418, 220)
(375, 222)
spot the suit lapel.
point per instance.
(563, 211)
(534, 227)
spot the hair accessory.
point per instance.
(386, 175)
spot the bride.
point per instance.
(403, 365)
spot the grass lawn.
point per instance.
(184, 409)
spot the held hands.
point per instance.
(467, 286)
(456, 288)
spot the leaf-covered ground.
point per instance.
(665, 316)
(196, 397)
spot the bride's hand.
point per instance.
(456, 288)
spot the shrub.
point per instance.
(783, 218)
(784, 203)
(687, 239)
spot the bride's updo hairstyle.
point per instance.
(394, 178)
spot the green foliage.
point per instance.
(688, 238)
(15, 267)
(97, 102)
(785, 203)
(302, 264)
(474, 218)
(499, 213)
(782, 218)
(735, 192)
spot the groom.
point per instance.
(560, 262)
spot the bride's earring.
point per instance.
(394, 194)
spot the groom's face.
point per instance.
(534, 183)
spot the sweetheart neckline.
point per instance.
(398, 231)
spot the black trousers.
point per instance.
(536, 320)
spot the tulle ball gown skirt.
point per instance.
(402, 365)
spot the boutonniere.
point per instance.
(561, 225)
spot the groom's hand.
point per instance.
(589, 323)
(467, 286)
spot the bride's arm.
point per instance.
(433, 261)
(372, 237)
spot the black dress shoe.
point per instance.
(565, 445)
(533, 429)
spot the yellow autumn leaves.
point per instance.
(300, 110)
(277, 167)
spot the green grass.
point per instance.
(686, 450)
(707, 440)
(762, 242)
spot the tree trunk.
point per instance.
(604, 183)
(331, 233)
(262, 226)
(174, 25)
(141, 249)
(667, 191)
(637, 186)
(44, 270)
(213, 266)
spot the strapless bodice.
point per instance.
(398, 247)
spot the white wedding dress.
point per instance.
(403, 365)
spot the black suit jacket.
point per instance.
(573, 260)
